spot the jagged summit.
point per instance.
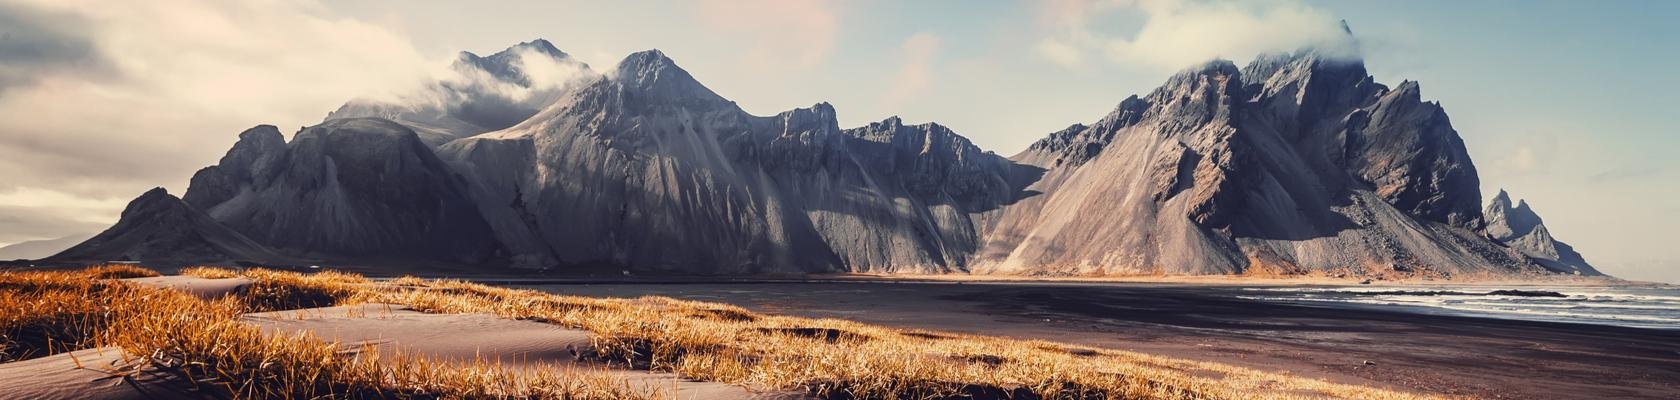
(1297, 162)
(157, 197)
(1521, 228)
(508, 63)
(646, 60)
(542, 45)
(482, 94)
(252, 158)
(659, 79)
(886, 129)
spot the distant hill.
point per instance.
(38, 249)
(158, 227)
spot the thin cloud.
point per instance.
(173, 83)
(1624, 173)
(1061, 53)
(775, 33)
(1179, 33)
(916, 75)
(1533, 155)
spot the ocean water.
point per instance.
(1643, 307)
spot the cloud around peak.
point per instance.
(1177, 33)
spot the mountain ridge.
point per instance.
(1298, 163)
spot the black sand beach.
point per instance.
(1480, 357)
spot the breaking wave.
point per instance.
(1643, 307)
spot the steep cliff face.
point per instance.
(354, 189)
(157, 227)
(253, 161)
(1296, 163)
(1521, 228)
(480, 94)
(649, 168)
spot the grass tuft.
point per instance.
(210, 272)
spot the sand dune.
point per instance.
(468, 337)
(104, 373)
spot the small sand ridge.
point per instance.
(204, 288)
(104, 373)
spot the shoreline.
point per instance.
(1371, 346)
(614, 275)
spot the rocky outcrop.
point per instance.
(253, 161)
(157, 227)
(349, 189)
(1296, 163)
(1521, 228)
(481, 94)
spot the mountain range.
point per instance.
(1298, 163)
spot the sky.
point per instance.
(1564, 103)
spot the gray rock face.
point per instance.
(354, 189)
(486, 94)
(649, 168)
(1296, 163)
(253, 159)
(160, 228)
(1521, 228)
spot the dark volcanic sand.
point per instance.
(1480, 357)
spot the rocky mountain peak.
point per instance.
(154, 199)
(1193, 79)
(1503, 199)
(1522, 229)
(893, 122)
(508, 64)
(1507, 221)
(893, 130)
(256, 147)
(659, 80)
(541, 45)
(817, 123)
(649, 66)
(252, 158)
(483, 94)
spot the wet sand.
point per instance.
(1480, 357)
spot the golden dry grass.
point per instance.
(203, 342)
(843, 359)
(825, 357)
(210, 272)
